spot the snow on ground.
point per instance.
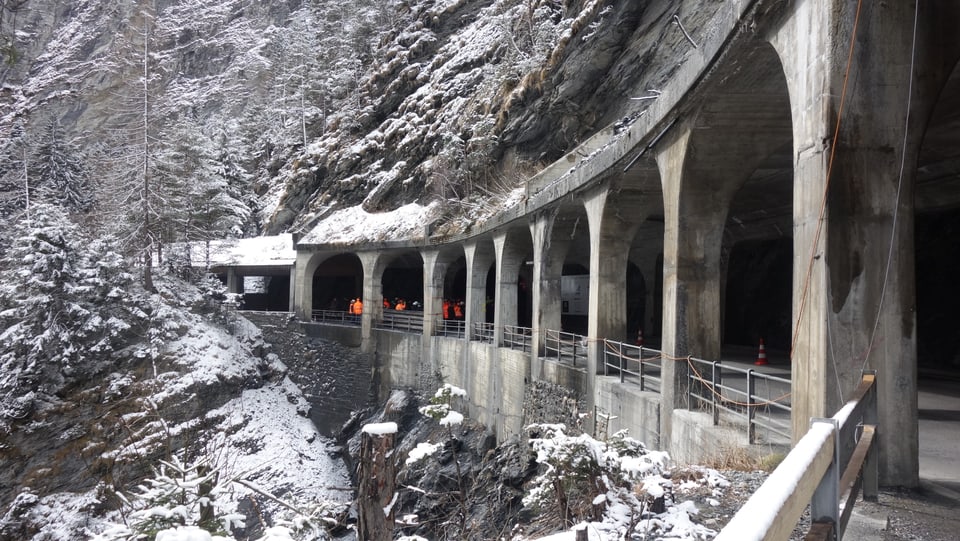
(355, 225)
(281, 447)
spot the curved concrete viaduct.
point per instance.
(812, 129)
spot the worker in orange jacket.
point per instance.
(446, 308)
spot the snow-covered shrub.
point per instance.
(440, 406)
(179, 498)
(614, 481)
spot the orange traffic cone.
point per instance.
(761, 355)
(640, 337)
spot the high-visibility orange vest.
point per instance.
(446, 309)
(458, 310)
(358, 307)
(386, 303)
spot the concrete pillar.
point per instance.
(505, 311)
(434, 272)
(292, 301)
(302, 284)
(693, 229)
(479, 255)
(372, 298)
(854, 293)
(548, 256)
(234, 281)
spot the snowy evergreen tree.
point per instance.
(62, 303)
(61, 172)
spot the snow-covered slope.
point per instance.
(380, 104)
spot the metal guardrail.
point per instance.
(565, 346)
(635, 364)
(339, 317)
(812, 473)
(452, 327)
(401, 320)
(519, 338)
(760, 401)
(482, 332)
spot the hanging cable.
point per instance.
(896, 206)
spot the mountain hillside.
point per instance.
(307, 107)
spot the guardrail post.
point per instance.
(825, 504)
(715, 391)
(643, 383)
(871, 468)
(751, 409)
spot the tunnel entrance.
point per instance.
(266, 293)
(759, 294)
(938, 293)
(403, 280)
(336, 281)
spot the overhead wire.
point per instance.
(896, 206)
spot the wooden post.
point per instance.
(377, 480)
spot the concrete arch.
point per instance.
(480, 292)
(514, 250)
(744, 117)
(567, 255)
(327, 280)
(731, 141)
(444, 278)
(400, 275)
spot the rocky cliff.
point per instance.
(379, 105)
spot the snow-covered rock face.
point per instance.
(199, 386)
(327, 105)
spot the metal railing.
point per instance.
(519, 338)
(401, 320)
(827, 468)
(738, 395)
(452, 327)
(565, 347)
(482, 332)
(339, 317)
(635, 364)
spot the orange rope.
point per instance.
(826, 186)
(714, 392)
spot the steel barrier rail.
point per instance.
(482, 332)
(565, 346)
(519, 338)
(451, 327)
(633, 363)
(720, 388)
(401, 320)
(812, 473)
(340, 317)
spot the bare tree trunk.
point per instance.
(377, 482)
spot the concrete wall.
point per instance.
(348, 336)
(632, 409)
(502, 395)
